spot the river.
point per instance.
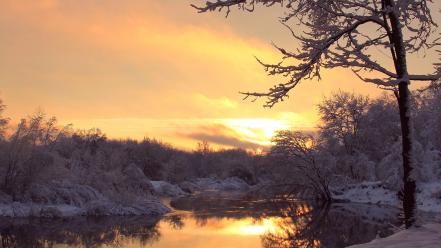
(211, 222)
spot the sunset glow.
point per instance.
(220, 123)
(233, 227)
(255, 228)
(154, 69)
(258, 130)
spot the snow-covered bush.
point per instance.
(301, 167)
(341, 117)
(361, 141)
(63, 171)
(163, 188)
(389, 169)
(27, 153)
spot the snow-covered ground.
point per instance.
(427, 236)
(209, 186)
(428, 200)
(129, 193)
(428, 195)
(205, 185)
(106, 208)
(66, 199)
(163, 188)
(134, 195)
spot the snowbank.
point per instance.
(131, 194)
(367, 192)
(128, 193)
(427, 236)
(163, 188)
(209, 184)
(106, 208)
(428, 195)
(63, 192)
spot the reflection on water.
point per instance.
(77, 232)
(325, 226)
(211, 223)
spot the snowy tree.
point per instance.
(428, 117)
(25, 153)
(377, 139)
(299, 150)
(347, 34)
(3, 121)
(341, 116)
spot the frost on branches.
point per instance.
(333, 36)
(347, 34)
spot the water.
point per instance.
(211, 223)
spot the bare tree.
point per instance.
(203, 147)
(299, 150)
(335, 35)
(3, 121)
(341, 118)
(342, 115)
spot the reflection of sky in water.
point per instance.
(209, 223)
(215, 232)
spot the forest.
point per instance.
(354, 154)
(198, 123)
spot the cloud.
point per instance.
(182, 133)
(123, 60)
(148, 68)
(220, 134)
(215, 103)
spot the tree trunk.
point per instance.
(398, 51)
(409, 201)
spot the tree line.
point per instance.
(357, 139)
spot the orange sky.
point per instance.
(153, 68)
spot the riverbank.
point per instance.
(134, 195)
(427, 236)
(428, 195)
(199, 220)
(428, 202)
(151, 207)
(128, 192)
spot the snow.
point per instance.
(228, 184)
(129, 194)
(367, 192)
(64, 192)
(200, 185)
(65, 199)
(106, 208)
(427, 236)
(163, 188)
(207, 185)
(428, 195)
(189, 187)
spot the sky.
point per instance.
(158, 69)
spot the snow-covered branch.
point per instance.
(242, 4)
(311, 63)
(331, 37)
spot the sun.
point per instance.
(259, 131)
